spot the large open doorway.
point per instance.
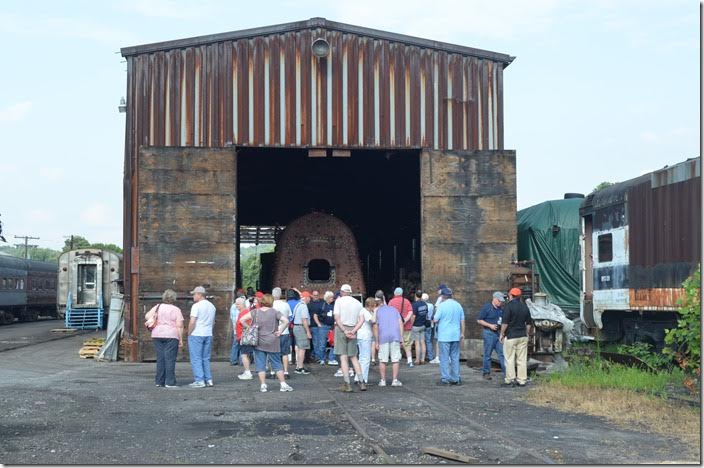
(375, 192)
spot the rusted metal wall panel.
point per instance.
(237, 91)
(186, 233)
(468, 224)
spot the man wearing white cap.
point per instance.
(449, 320)
(348, 320)
(490, 319)
(200, 338)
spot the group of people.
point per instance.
(269, 330)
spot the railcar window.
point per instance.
(606, 251)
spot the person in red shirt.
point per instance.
(245, 351)
(405, 308)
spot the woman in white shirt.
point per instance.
(364, 338)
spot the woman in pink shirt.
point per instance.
(167, 337)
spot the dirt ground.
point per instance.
(59, 409)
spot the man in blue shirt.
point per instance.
(449, 317)
(490, 318)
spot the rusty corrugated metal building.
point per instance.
(419, 122)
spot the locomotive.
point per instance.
(27, 289)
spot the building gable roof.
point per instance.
(317, 23)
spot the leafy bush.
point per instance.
(646, 353)
(684, 342)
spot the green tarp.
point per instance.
(555, 250)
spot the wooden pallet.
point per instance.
(63, 330)
(91, 348)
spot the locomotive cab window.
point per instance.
(606, 251)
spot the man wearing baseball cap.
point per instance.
(514, 335)
(301, 331)
(490, 319)
(348, 320)
(449, 319)
(200, 338)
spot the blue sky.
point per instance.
(600, 90)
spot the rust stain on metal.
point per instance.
(654, 298)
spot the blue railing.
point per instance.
(84, 318)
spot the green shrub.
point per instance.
(684, 342)
(646, 353)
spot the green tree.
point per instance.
(44, 254)
(74, 242)
(102, 246)
(602, 185)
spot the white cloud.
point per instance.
(39, 216)
(649, 137)
(98, 215)
(52, 174)
(15, 112)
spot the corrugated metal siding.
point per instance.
(270, 90)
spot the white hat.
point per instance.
(198, 289)
(346, 288)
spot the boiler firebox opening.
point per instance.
(364, 205)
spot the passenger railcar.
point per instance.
(87, 278)
(27, 289)
(640, 240)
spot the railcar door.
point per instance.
(87, 284)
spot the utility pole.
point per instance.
(26, 245)
(71, 236)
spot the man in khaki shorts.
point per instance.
(388, 330)
(348, 319)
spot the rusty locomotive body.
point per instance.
(640, 240)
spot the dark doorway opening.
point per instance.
(319, 270)
(375, 192)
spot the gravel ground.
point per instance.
(59, 409)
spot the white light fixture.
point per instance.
(123, 105)
(320, 47)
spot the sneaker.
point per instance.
(338, 373)
(285, 387)
(286, 376)
(396, 383)
(302, 371)
(272, 373)
(345, 387)
(246, 375)
(171, 386)
(373, 362)
(159, 385)
(521, 384)
(435, 361)
(209, 383)
(382, 383)
(197, 384)
(363, 386)
(459, 382)
(351, 372)
(410, 364)
(508, 384)
(443, 383)
(486, 376)
(322, 362)
(333, 363)
(263, 388)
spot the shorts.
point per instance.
(260, 358)
(407, 339)
(418, 333)
(246, 349)
(302, 340)
(285, 344)
(393, 348)
(345, 346)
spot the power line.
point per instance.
(26, 245)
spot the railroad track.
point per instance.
(448, 414)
